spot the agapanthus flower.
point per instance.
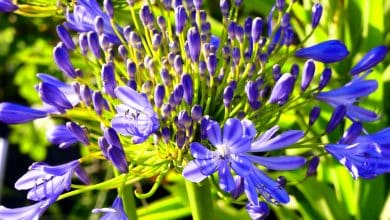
(369, 60)
(348, 95)
(115, 212)
(365, 156)
(326, 52)
(43, 180)
(135, 117)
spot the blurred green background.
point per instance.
(26, 49)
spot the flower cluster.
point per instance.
(158, 96)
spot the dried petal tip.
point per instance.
(17, 114)
(371, 59)
(316, 15)
(326, 52)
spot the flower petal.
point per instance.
(192, 172)
(281, 141)
(226, 181)
(232, 131)
(214, 133)
(240, 164)
(279, 163)
(199, 151)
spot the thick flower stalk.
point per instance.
(165, 95)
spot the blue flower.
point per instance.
(364, 156)
(83, 19)
(28, 212)
(135, 117)
(17, 114)
(7, 6)
(116, 212)
(348, 95)
(326, 52)
(44, 181)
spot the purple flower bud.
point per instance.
(198, 4)
(147, 87)
(161, 22)
(285, 20)
(280, 4)
(202, 68)
(325, 78)
(51, 95)
(165, 134)
(257, 211)
(99, 25)
(203, 15)
(132, 84)
(193, 38)
(102, 142)
(294, 70)
(336, 118)
(178, 64)
(108, 77)
(236, 56)
(232, 30)
(308, 73)
(224, 5)
(196, 113)
(156, 41)
(112, 137)
(65, 37)
(167, 4)
(165, 76)
(238, 2)
(104, 42)
(352, 133)
(122, 52)
(180, 19)
(146, 16)
(184, 119)
(180, 138)
(108, 7)
(248, 26)
(93, 43)
(239, 33)
(159, 94)
(118, 158)
(282, 89)
(188, 87)
(313, 165)
(86, 94)
(7, 6)
(131, 68)
(212, 64)
(177, 3)
(225, 51)
(276, 72)
(228, 94)
(17, 114)
(126, 32)
(316, 15)
(327, 52)
(314, 114)
(370, 59)
(98, 102)
(83, 43)
(62, 59)
(78, 132)
(178, 93)
(166, 111)
(252, 92)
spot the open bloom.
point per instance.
(364, 156)
(348, 95)
(135, 117)
(43, 180)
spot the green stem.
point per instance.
(129, 202)
(199, 196)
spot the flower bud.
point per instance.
(165, 134)
(159, 94)
(178, 64)
(336, 118)
(282, 89)
(228, 94)
(184, 119)
(99, 25)
(276, 72)
(280, 4)
(352, 133)
(98, 102)
(198, 4)
(224, 5)
(86, 94)
(248, 26)
(146, 16)
(108, 7)
(93, 43)
(325, 78)
(188, 87)
(165, 76)
(312, 167)
(196, 113)
(294, 70)
(252, 93)
(62, 59)
(51, 95)
(83, 43)
(369, 60)
(238, 2)
(236, 56)
(65, 37)
(232, 30)
(314, 114)
(307, 75)
(180, 138)
(108, 77)
(212, 64)
(78, 132)
(166, 110)
(178, 93)
(131, 68)
(327, 52)
(202, 68)
(193, 38)
(316, 15)
(239, 33)
(180, 19)
(285, 20)
(132, 84)
(118, 158)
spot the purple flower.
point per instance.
(364, 156)
(116, 212)
(18, 114)
(326, 52)
(7, 6)
(136, 116)
(28, 212)
(83, 17)
(348, 95)
(62, 136)
(371, 59)
(44, 181)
